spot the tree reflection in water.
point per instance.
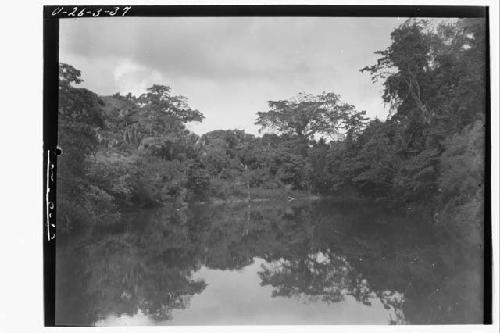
(144, 268)
(327, 278)
(313, 252)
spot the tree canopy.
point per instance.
(307, 115)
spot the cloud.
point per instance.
(229, 67)
(135, 78)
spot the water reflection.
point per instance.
(271, 263)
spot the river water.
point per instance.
(300, 262)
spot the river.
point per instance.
(300, 262)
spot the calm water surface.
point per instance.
(268, 263)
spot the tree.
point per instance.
(433, 77)
(164, 113)
(80, 200)
(434, 80)
(403, 66)
(79, 117)
(307, 115)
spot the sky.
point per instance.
(230, 67)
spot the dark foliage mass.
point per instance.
(122, 152)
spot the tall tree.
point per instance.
(433, 77)
(80, 201)
(306, 115)
(163, 112)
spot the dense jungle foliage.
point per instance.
(125, 151)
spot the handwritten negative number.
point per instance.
(75, 11)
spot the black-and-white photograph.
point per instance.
(271, 170)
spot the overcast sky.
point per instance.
(229, 68)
